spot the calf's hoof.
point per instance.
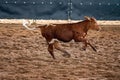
(94, 49)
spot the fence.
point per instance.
(60, 9)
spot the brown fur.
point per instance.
(67, 32)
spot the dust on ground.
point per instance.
(24, 56)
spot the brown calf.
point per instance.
(67, 32)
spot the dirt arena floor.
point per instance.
(24, 56)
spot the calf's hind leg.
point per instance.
(51, 50)
(57, 46)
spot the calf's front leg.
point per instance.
(85, 41)
(91, 46)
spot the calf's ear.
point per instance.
(92, 18)
(87, 18)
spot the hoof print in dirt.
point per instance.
(67, 55)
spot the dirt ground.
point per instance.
(24, 56)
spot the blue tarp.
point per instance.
(60, 9)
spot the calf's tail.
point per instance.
(27, 24)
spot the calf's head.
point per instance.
(93, 24)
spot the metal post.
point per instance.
(69, 9)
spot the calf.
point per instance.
(67, 32)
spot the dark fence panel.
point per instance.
(40, 9)
(60, 9)
(101, 9)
